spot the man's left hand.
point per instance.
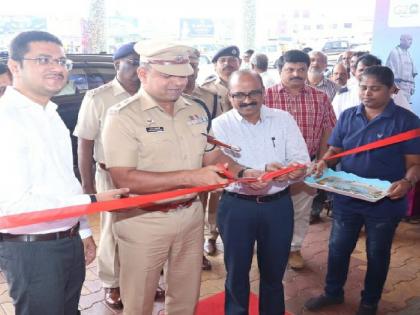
(90, 249)
(297, 174)
(257, 174)
(399, 189)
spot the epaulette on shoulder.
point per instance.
(209, 79)
(99, 89)
(123, 104)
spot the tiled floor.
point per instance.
(401, 295)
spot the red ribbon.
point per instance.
(28, 218)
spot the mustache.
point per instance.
(228, 68)
(244, 105)
(296, 78)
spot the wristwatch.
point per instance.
(242, 171)
(93, 198)
(411, 182)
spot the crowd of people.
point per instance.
(145, 132)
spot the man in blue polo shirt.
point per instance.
(376, 118)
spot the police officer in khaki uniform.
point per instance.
(88, 130)
(226, 61)
(211, 102)
(152, 143)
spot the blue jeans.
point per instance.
(344, 234)
(241, 223)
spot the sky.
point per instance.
(185, 8)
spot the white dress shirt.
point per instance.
(268, 80)
(36, 164)
(351, 98)
(274, 138)
(345, 100)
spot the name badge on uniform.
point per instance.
(196, 120)
(154, 129)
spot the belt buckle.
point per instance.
(258, 199)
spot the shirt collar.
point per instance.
(149, 102)
(320, 83)
(387, 112)
(220, 81)
(306, 88)
(117, 88)
(19, 100)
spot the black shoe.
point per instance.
(316, 303)
(367, 309)
(314, 218)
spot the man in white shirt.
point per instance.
(316, 78)
(44, 263)
(259, 63)
(351, 98)
(402, 64)
(269, 139)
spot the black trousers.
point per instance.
(242, 223)
(44, 277)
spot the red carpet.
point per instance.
(214, 305)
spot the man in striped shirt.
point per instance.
(315, 117)
(316, 77)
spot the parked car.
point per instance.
(335, 47)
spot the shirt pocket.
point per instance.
(155, 149)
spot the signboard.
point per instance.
(193, 28)
(394, 18)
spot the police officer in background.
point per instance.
(209, 101)
(226, 61)
(88, 130)
(152, 143)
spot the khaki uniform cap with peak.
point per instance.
(166, 58)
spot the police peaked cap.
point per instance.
(124, 51)
(227, 51)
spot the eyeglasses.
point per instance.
(44, 61)
(241, 96)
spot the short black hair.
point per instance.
(260, 61)
(249, 52)
(20, 44)
(293, 56)
(5, 69)
(381, 73)
(307, 49)
(368, 60)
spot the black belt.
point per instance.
(40, 237)
(259, 198)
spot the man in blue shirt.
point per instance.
(376, 118)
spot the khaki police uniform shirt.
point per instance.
(210, 100)
(139, 133)
(218, 87)
(93, 112)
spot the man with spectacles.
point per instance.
(226, 61)
(315, 117)
(5, 78)
(269, 140)
(44, 263)
(88, 130)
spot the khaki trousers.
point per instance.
(302, 198)
(210, 204)
(108, 262)
(146, 241)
